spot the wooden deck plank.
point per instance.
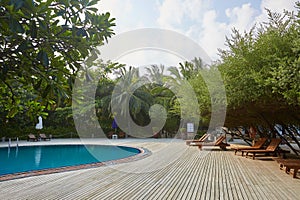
(197, 184)
(207, 172)
(222, 181)
(192, 174)
(250, 179)
(201, 167)
(244, 184)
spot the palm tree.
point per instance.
(190, 69)
(130, 97)
(160, 92)
(156, 74)
(185, 105)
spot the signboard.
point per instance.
(190, 127)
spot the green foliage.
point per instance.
(190, 69)
(57, 127)
(132, 96)
(43, 44)
(261, 73)
(61, 117)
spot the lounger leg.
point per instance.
(200, 147)
(235, 152)
(253, 157)
(295, 172)
(287, 170)
(223, 147)
(281, 166)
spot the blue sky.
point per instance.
(207, 22)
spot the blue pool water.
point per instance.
(30, 158)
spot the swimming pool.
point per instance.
(35, 158)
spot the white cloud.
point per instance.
(213, 32)
(204, 26)
(142, 57)
(212, 35)
(241, 17)
(195, 18)
(172, 13)
(195, 8)
(115, 7)
(275, 6)
(278, 5)
(118, 9)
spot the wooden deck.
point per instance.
(173, 171)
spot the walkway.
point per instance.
(173, 171)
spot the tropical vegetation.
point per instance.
(43, 44)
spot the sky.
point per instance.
(206, 22)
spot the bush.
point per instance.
(56, 132)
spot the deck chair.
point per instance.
(44, 137)
(270, 149)
(32, 137)
(294, 166)
(109, 134)
(201, 139)
(282, 161)
(121, 135)
(289, 164)
(257, 145)
(219, 142)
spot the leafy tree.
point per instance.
(189, 69)
(91, 97)
(162, 96)
(261, 75)
(185, 102)
(43, 44)
(261, 72)
(131, 100)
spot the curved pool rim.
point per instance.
(143, 153)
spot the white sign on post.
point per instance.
(190, 127)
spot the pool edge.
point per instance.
(143, 154)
